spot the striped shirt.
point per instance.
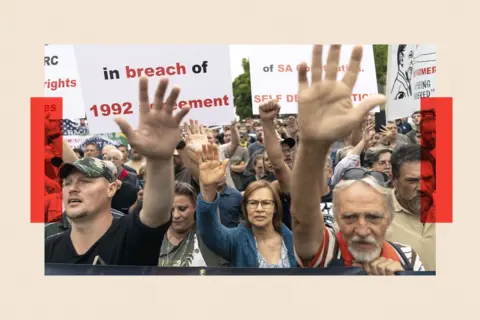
(329, 252)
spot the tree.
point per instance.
(380, 53)
(242, 92)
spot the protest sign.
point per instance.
(274, 74)
(61, 79)
(79, 141)
(110, 76)
(411, 75)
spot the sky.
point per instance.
(237, 52)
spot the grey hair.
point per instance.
(344, 184)
(111, 166)
(342, 153)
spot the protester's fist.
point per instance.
(158, 130)
(383, 267)
(269, 110)
(212, 170)
(325, 109)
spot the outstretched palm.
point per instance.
(158, 131)
(212, 170)
(325, 109)
(195, 136)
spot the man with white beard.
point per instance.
(362, 206)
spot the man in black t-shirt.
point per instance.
(89, 186)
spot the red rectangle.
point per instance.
(440, 110)
(41, 135)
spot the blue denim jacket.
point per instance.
(236, 245)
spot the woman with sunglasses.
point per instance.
(181, 246)
(261, 241)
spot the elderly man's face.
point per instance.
(116, 157)
(363, 219)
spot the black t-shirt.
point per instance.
(125, 197)
(127, 242)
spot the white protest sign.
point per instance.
(61, 79)
(110, 76)
(274, 74)
(411, 75)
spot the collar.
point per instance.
(398, 207)
(123, 174)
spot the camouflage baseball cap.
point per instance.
(91, 167)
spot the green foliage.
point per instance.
(242, 92)
(380, 53)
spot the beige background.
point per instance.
(26, 25)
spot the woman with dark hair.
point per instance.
(181, 247)
(262, 240)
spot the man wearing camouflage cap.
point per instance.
(89, 186)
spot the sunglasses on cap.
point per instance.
(360, 173)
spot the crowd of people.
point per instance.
(319, 189)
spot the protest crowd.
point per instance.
(318, 189)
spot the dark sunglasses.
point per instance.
(360, 173)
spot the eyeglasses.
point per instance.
(360, 173)
(266, 204)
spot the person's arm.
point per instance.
(323, 119)
(156, 138)
(357, 135)
(233, 145)
(218, 238)
(350, 161)
(238, 168)
(268, 112)
(360, 146)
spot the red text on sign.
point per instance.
(202, 103)
(115, 109)
(423, 71)
(155, 72)
(60, 83)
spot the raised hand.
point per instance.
(325, 109)
(212, 170)
(292, 125)
(386, 133)
(269, 110)
(368, 132)
(195, 136)
(158, 131)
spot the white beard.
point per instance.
(363, 256)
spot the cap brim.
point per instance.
(67, 168)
